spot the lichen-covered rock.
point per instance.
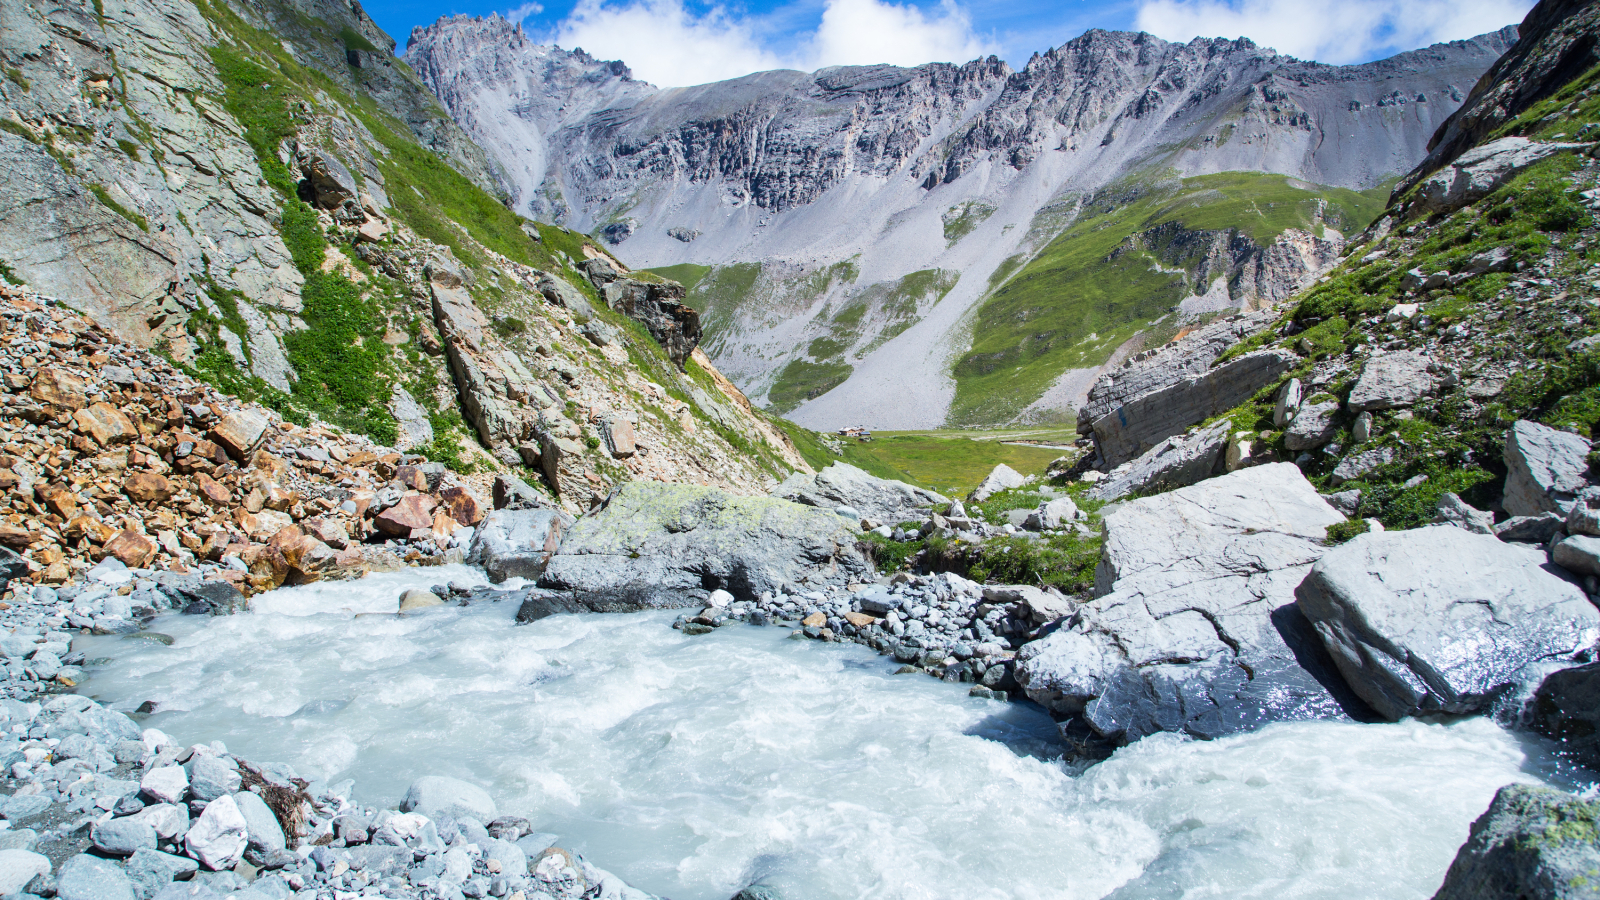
(1441, 620)
(668, 545)
(880, 499)
(1533, 843)
(1195, 628)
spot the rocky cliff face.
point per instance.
(969, 170)
(261, 193)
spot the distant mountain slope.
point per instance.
(815, 197)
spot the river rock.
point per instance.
(1545, 469)
(438, 795)
(879, 499)
(517, 543)
(1533, 843)
(1537, 529)
(152, 870)
(262, 828)
(1311, 427)
(218, 838)
(1139, 424)
(211, 777)
(1000, 478)
(1194, 627)
(658, 545)
(123, 837)
(1566, 708)
(1441, 620)
(85, 877)
(18, 867)
(1173, 463)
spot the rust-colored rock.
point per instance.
(411, 477)
(240, 433)
(212, 490)
(461, 506)
(413, 513)
(133, 549)
(57, 499)
(59, 388)
(859, 620)
(12, 536)
(328, 531)
(815, 620)
(619, 438)
(106, 424)
(144, 487)
(279, 499)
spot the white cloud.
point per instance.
(861, 32)
(517, 14)
(667, 45)
(1332, 32)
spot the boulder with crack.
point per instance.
(1442, 620)
(1195, 629)
(880, 499)
(1175, 462)
(656, 545)
(1546, 469)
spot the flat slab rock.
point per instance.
(1441, 620)
(1196, 629)
(841, 484)
(656, 546)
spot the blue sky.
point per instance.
(681, 42)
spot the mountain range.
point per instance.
(976, 241)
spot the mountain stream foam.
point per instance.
(692, 766)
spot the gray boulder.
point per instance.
(413, 428)
(1476, 173)
(210, 777)
(1452, 510)
(880, 499)
(152, 870)
(1139, 424)
(1312, 426)
(1537, 529)
(1286, 402)
(560, 293)
(1546, 469)
(1578, 553)
(517, 543)
(1441, 620)
(655, 545)
(123, 837)
(330, 182)
(1173, 463)
(1000, 478)
(1051, 514)
(1195, 629)
(1391, 380)
(1358, 464)
(437, 795)
(1533, 843)
(85, 877)
(660, 309)
(511, 492)
(1566, 709)
(262, 828)
(18, 867)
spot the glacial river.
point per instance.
(692, 766)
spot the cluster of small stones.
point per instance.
(107, 451)
(943, 625)
(95, 808)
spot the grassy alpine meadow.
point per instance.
(951, 462)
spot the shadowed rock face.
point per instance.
(1533, 842)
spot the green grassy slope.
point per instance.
(1074, 302)
(951, 462)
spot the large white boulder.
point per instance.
(218, 838)
(1000, 478)
(1196, 629)
(1442, 620)
(881, 499)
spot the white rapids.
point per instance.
(692, 766)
